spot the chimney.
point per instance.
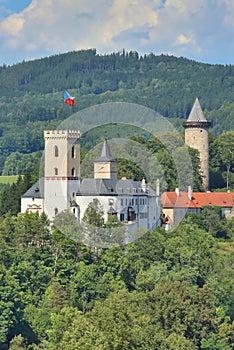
(177, 191)
(190, 193)
(143, 185)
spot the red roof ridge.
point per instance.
(198, 200)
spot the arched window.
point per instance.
(55, 171)
(73, 171)
(56, 151)
(131, 214)
(73, 154)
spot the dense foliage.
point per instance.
(164, 291)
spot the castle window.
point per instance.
(131, 214)
(73, 171)
(73, 155)
(55, 171)
(143, 215)
(111, 201)
(56, 151)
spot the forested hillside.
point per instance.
(167, 290)
(31, 93)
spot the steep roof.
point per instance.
(36, 191)
(105, 154)
(112, 187)
(196, 114)
(199, 199)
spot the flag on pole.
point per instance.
(68, 98)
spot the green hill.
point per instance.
(32, 92)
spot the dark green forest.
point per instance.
(167, 290)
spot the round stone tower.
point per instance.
(196, 136)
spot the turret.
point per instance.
(105, 167)
(196, 136)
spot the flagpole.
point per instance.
(63, 111)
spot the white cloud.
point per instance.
(182, 40)
(182, 27)
(229, 13)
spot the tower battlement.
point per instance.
(198, 124)
(58, 134)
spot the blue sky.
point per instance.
(202, 30)
(8, 7)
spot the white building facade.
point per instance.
(134, 203)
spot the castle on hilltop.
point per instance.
(134, 203)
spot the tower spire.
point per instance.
(196, 114)
(105, 153)
(105, 166)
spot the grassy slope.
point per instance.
(8, 179)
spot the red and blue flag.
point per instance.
(68, 98)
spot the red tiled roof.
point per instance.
(199, 199)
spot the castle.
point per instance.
(134, 203)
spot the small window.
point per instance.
(55, 211)
(56, 151)
(73, 172)
(73, 155)
(111, 201)
(55, 171)
(121, 202)
(122, 217)
(74, 210)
